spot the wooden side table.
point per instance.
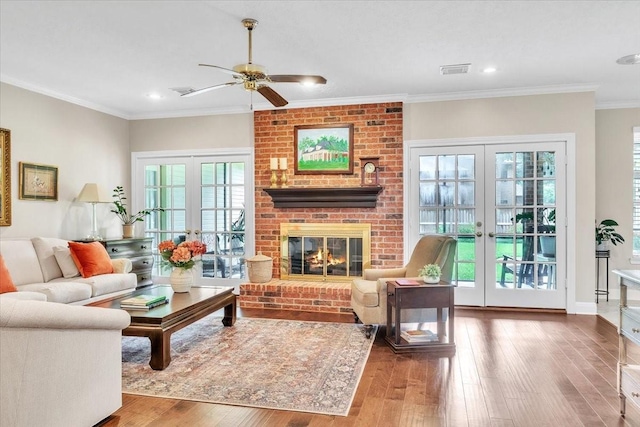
(600, 255)
(402, 297)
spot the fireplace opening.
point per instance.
(325, 256)
(323, 251)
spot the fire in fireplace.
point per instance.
(322, 251)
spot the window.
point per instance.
(636, 192)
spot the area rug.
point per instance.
(276, 364)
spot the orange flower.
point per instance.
(166, 245)
(180, 254)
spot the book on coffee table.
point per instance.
(145, 307)
(143, 300)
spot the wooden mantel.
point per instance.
(335, 197)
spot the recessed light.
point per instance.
(154, 95)
(629, 59)
(489, 70)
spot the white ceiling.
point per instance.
(109, 55)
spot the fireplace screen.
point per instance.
(325, 256)
(328, 251)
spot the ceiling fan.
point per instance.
(254, 77)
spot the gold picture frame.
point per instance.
(38, 182)
(5, 177)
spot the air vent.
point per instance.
(454, 69)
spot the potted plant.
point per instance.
(430, 273)
(605, 233)
(127, 219)
(548, 226)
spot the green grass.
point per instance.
(312, 165)
(466, 254)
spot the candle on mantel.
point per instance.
(274, 163)
(283, 163)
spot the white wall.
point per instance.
(614, 178)
(85, 145)
(526, 115)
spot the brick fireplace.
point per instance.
(378, 132)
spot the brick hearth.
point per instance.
(301, 296)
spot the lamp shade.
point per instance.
(91, 193)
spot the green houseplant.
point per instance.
(127, 219)
(430, 273)
(606, 232)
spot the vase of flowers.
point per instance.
(430, 273)
(182, 258)
(128, 220)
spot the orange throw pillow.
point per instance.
(90, 258)
(6, 282)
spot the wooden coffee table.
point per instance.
(182, 310)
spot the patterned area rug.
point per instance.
(277, 364)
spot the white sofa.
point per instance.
(34, 268)
(60, 365)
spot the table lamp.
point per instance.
(91, 193)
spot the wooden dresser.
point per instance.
(138, 251)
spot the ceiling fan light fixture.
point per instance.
(254, 77)
(629, 59)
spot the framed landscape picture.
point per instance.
(323, 149)
(5, 177)
(38, 182)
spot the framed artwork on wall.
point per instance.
(323, 149)
(5, 177)
(38, 182)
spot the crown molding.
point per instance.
(501, 93)
(326, 102)
(617, 105)
(53, 94)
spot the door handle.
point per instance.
(478, 233)
(492, 234)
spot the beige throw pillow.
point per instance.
(68, 267)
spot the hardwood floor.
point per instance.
(510, 369)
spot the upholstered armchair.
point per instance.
(369, 294)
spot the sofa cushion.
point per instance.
(107, 283)
(65, 261)
(91, 258)
(44, 249)
(22, 261)
(365, 292)
(63, 292)
(6, 282)
(24, 295)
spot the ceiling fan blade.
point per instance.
(293, 78)
(224, 70)
(272, 96)
(207, 89)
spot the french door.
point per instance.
(206, 198)
(505, 205)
